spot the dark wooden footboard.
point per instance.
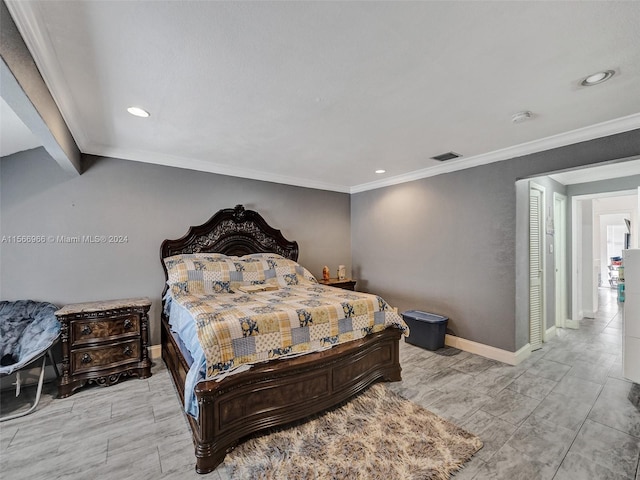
(280, 391)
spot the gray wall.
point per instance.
(147, 203)
(586, 294)
(438, 244)
(449, 244)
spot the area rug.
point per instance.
(376, 435)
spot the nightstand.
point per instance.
(103, 342)
(346, 283)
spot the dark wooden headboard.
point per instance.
(231, 231)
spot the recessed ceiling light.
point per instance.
(596, 78)
(138, 112)
(381, 171)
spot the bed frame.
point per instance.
(275, 392)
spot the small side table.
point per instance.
(345, 283)
(103, 342)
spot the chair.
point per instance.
(28, 330)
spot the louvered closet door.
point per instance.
(535, 269)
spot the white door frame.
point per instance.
(576, 263)
(560, 256)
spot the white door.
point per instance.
(536, 266)
(560, 258)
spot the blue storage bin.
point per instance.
(427, 330)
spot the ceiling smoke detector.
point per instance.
(521, 116)
(446, 156)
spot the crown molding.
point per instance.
(210, 167)
(612, 127)
(599, 130)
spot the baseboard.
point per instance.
(522, 353)
(155, 352)
(570, 323)
(504, 356)
(550, 333)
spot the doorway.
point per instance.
(593, 215)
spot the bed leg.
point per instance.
(208, 459)
(393, 376)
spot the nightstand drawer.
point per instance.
(102, 357)
(90, 331)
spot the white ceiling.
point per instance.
(321, 94)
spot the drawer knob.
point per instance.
(86, 358)
(127, 351)
(86, 330)
(128, 324)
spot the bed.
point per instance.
(263, 394)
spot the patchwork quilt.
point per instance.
(293, 315)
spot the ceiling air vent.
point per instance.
(446, 156)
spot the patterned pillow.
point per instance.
(199, 273)
(259, 268)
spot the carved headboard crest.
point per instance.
(238, 213)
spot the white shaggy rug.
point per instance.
(376, 435)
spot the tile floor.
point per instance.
(564, 413)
